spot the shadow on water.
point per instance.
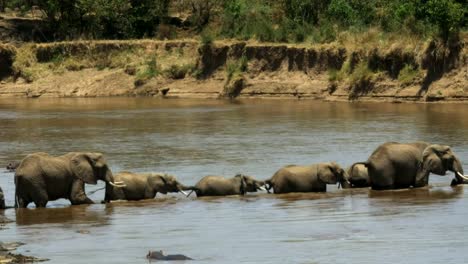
(70, 214)
(418, 196)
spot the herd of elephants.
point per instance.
(40, 177)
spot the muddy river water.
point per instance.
(193, 138)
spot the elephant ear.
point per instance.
(82, 167)
(431, 160)
(328, 173)
(164, 178)
(243, 184)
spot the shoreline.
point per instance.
(235, 69)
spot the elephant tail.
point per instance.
(17, 179)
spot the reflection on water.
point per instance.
(194, 138)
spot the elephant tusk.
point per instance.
(462, 176)
(119, 182)
(184, 193)
(121, 185)
(261, 188)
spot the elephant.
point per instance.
(396, 165)
(159, 255)
(357, 177)
(41, 177)
(11, 167)
(219, 186)
(2, 199)
(311, 178)
(143, 186)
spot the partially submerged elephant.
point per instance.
(358, 177)
(143, 186)
(159, 255)
(2, 199)
(396, 165)
(41, 178)
(220, 186)
(11, 166)
(312, 178)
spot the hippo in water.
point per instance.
(159, 255)
(11, 167)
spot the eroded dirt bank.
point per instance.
(187, 69)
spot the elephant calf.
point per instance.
(11, 167)
(143, 186)
(312, 178)
(220, 186)
(2, 199)
(358, 176)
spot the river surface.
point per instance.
(194, 138)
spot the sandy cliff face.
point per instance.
(432, 72)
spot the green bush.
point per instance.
(150, 70)
(179, 71)
(408, 74)
(448, 15)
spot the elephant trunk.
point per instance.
(109, 178)
(182, 188)
(343, 180)
(458, 170)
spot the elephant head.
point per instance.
(249, 184)
(438, 159)
(91, 167)
(12, 166)
(166, 183)
(332, 173)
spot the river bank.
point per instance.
(365, 71)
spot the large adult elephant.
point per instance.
(220, 186)
(139, 186)
(41, 178)
(312, 178)
(396, 165)
(358, 177)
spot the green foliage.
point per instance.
(361, 74)
(447, 15)
(342, 12)
(408, 74)
(102, 18)
(264, 20)
(207, 38)
(179, 71)
(236, 67)
(305, 11)
(149, 71)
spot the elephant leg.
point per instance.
(150, 193)
(37, 194)
(40, 198)
(21, 202)
(40, 204)
(78, 195)
(381, 178)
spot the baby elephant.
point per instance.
(159, 255)
(143, 186)
(219, 186)
(11, 167)
(312, 178)
(357, 176)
